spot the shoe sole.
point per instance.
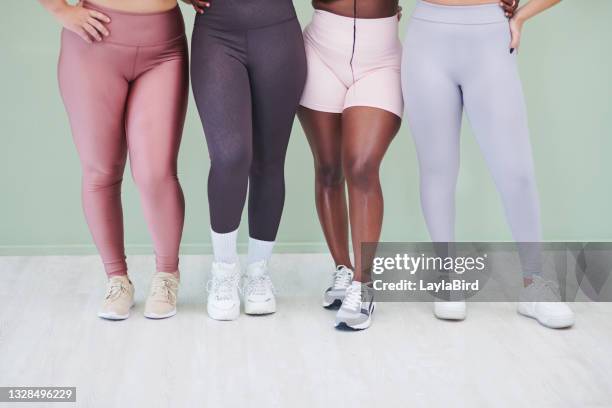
(335, 305)
(456, 316)
(552, 323)
(357, 327)
(223, 314)
(156, 316)
(263, 308)
(112, 316)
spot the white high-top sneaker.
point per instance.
(223, 298)
(541, 301)
(258, 290)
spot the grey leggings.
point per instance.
(248, 70)
(458, 57)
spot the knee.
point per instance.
(102, 177)
(441, 173)
(152, 180)
(329, 174)
(231, 163)
(518, 182)
(269, 167)
(362, 174)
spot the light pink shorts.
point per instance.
(374, 80)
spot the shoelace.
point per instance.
(222, 288)
(258, 285)
(352, 300)
(342, 278)
(115, 290)
(164, 289)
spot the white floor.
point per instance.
(50, 336)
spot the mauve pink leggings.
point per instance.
(128, 95)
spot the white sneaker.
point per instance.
(456, 310)
(541, 301)
(258, 290)
(119, 299)
(223, 299)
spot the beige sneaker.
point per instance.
(161, 302)
(118, 300)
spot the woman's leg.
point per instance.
(94, 91)
(324, 133)
(434, 109)
(222, 91)
(497, 113)
(366, 134)
(277, 74)
(155, 116)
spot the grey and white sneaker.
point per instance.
(341, 280)
(223, 299)
(357, 308)
(541, 301)
(258, 290)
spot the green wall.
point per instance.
(566, 66)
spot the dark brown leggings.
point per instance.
(247, 76)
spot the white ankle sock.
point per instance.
(224, 246)
(259, 250)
